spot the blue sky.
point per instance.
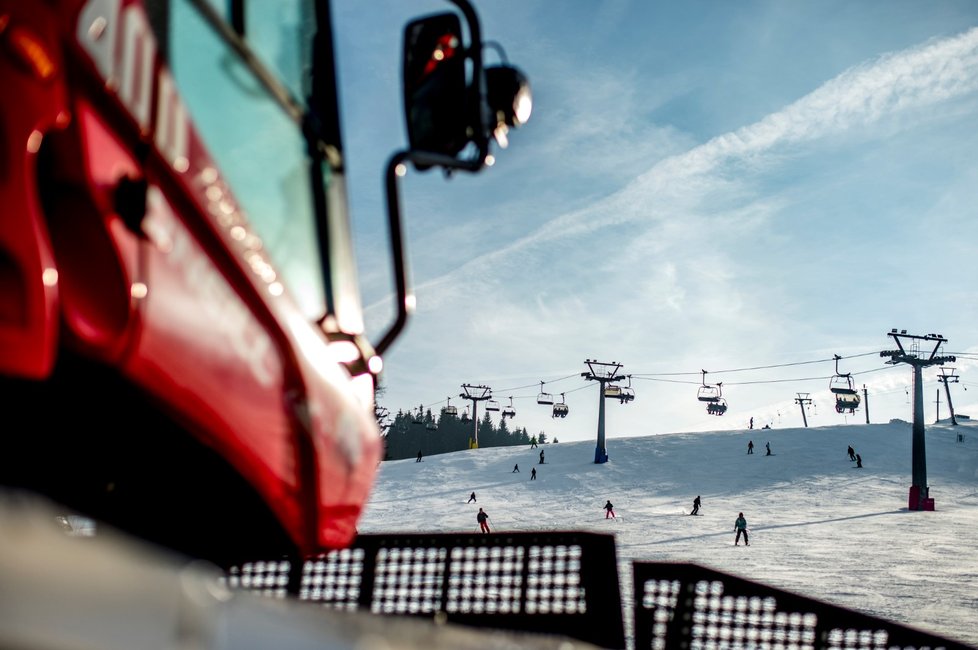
(703, 185)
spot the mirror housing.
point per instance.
(436, 102)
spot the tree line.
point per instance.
(411, 432)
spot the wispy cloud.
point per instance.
(894, 84)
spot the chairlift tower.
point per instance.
(946, 379)
(475, 394)
(803, 400)
(919, 497)
(603, 373)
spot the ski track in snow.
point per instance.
(819, 526)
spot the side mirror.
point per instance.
(436, 102)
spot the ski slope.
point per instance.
(819, 526)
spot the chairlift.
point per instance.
(841, 385)
(465, 415)
(543, 397)
(560, 408)
(612, 391)
(627, 393)
(419, 416)
(509, 411)
(431, 425)
(449, 410)
(492, 405)
(717, 406)
(707, 393)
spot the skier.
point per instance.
(741, 527)
(516, 469)
(859, 460)
(533, 474)
(541, 457)
(419, 457)
(472, 498)
(768, 445)
(533, 442)
(610, 510)
(852, 453)
(750, 446)
(696, 505)
(751, 423)
(483, 520)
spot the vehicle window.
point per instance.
(258, 148)
(280, 33)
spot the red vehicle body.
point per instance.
(158, 371)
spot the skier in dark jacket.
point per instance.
(541, 457)
(859, 460)
(852, 453)
(472, 498)
(483, 520)
(750, 446)
(610, 510)
(533, 473)
(696, 505)
(516, 469)
(741, 527)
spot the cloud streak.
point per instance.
(892, 85)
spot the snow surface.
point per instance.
(819, 526)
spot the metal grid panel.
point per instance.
(659, 598)
(562, 583)
(741, 621)
(265, 578)
(334, 579)
(554, 582)
(689, 606)
(485, 580)
(408, 580)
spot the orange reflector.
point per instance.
(30, 51)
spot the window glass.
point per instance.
(259, 150)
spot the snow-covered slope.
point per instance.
(819, 525)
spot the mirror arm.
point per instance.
(397, 233)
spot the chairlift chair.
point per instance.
(419, 416)
(846, 397)
(509, 411)
(612, 391)
(449, 410)
(544, 397)
(560, 408)
(706, 392)
(492, 405)
(627, 393)
(465, 415)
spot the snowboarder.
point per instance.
(533, 474)
(859, 460)
(610, 510)
(516, 469)
(852, 453)
(541, 457)
(741, 527)
(419, 457)
(751, 426)
(750, 446)
(768, 445)
(472, 498)
(483, 520)
(696, 505)
(533, 442)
